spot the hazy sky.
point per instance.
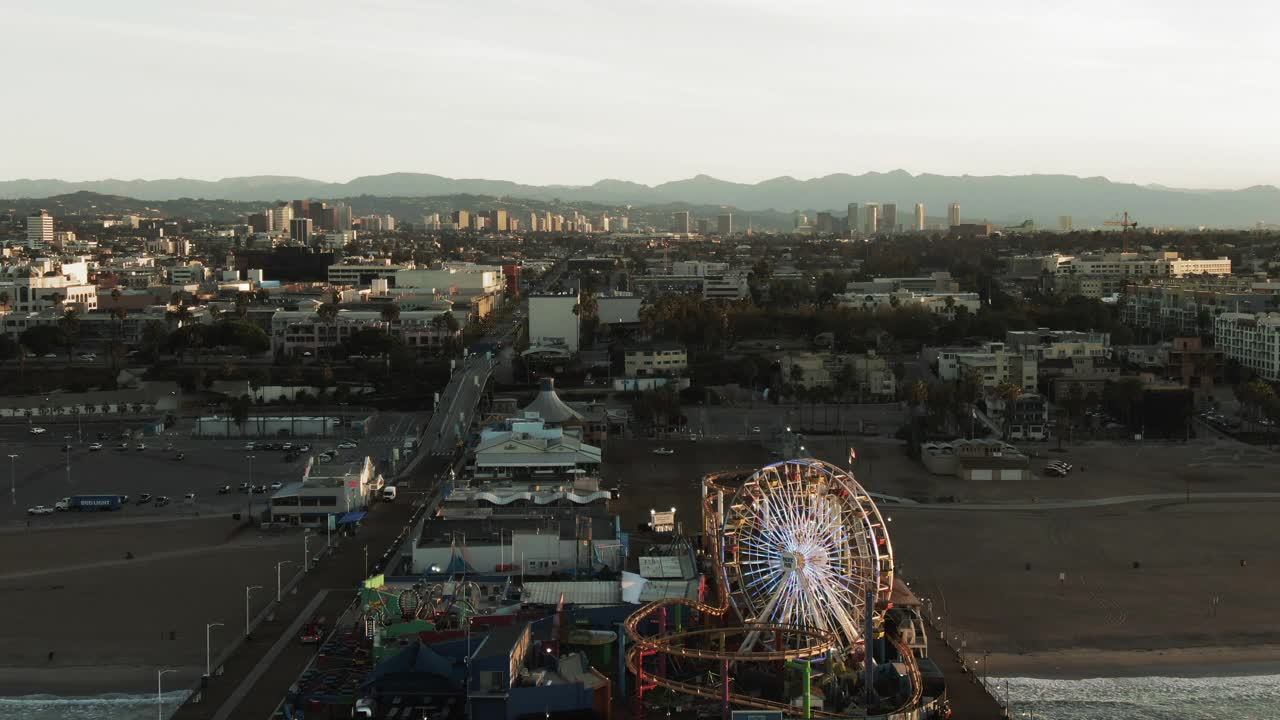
(543, 91)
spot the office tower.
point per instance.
(344, 217)
(461, 219)
(919, 224)
(319, 214)
(40, 230)
(602, 225)
(388, 223)
(724, 224)
(300, 230)
(872, 213)
(852, 218)
(557, 223)
(1064, 223)
(329, 219)
(889, 217)
(825, 223)
(624, 223)
(498, 220)
(260, 222)
(680, 222)
(704, 226)
(281, 215)
(799, 219)
(953, 214)
(301, 208)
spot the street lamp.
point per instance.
(159, 694)
(207, 667)
(13, 482)
(250, 511)
(248, 590)
(278, 566)
(306, 550)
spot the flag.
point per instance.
(853, 455)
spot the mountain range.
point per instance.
(997, 198)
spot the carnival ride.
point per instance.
(803, 570)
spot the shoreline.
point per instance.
(90, 681)
(1177, 662)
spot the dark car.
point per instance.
(144, 498)
(179, 456)
(162, 501)
(259, 489)
(244, 487)
(224, 490)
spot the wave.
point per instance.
(109, 706)
(1253, 697)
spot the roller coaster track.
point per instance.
(672, 645)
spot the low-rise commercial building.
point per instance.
(655, 359)
(298, 331)
(326, 490)
(994, 363)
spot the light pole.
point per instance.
(248, 590)
(306, 551)
(208, 671)
(366, 561)
(278, 566)
(13, 479)
(250, 511)
(160, 694)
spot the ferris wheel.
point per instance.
(804, 546)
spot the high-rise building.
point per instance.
(281, 215)
(724, 224)
(260, 222)
(704, 226)
(919, 224)
(624, 223)
(1064, 224)
(889, 217)
(852, 218)
(302, 208)
(461, 219)
(300, 230)
(498, 221)
(344, 217)
(40, 230)
(872, 213)
(825, 224)
(953, 214)
(680, 222)
(602, 225)
(388, 223)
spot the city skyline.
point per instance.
(1091, 93)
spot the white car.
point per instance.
(347, 445)
(38, 431)
(663, 451)
(40, 510)
(277, 485)
(95, 447)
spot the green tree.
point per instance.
(69, 323)
(42, 339)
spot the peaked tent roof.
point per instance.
(550, 407)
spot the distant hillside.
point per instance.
(998, 198)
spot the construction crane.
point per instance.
(1126, 226)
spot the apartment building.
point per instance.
(362, 272)
(1251, 339)
(655, 359)
(1049, 344)
(1187, 306)
(298, 331)
(995, 363)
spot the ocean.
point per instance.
(1253, 697)
(113, 706)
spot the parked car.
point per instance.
(95, 447)
(259, 489)
(224, 490)
(663, 451)
(180, 456)
(189, 497)
(244, 487)
(144, 498)
(161, 501)
(122, 447)
(277, 485)
(37, 431)
(40, 510)
(348, 445)
(251, 446)
(140, 447)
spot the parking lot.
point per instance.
(39, 475)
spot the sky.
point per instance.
(573, 91)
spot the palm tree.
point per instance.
(1009, 393)
(390, 313)
(70, 326)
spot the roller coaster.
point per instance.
(802, 569)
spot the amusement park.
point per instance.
(785, 603)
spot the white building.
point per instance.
(656, 359)
(995, 363)
(324, 491)
(942, 303)
(362, 273)
(40, 230)
(553, 321)
(1253, 340)
(919, 222)
(530, 450)
(41, 285)
(194, 273)
(296, 331)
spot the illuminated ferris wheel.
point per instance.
(805, 546)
